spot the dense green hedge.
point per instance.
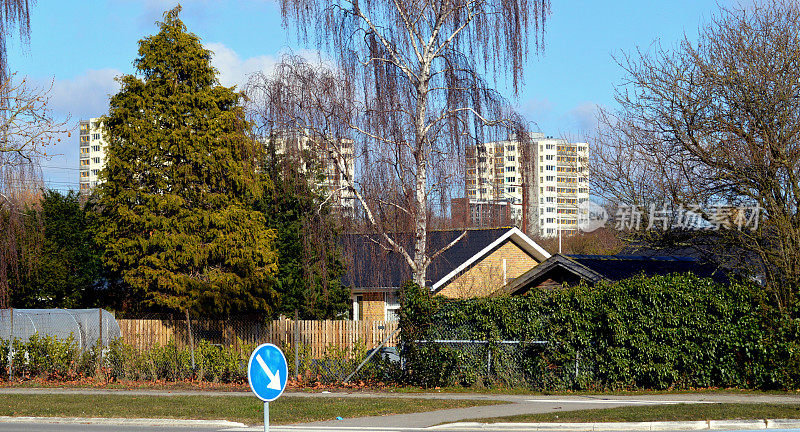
(54, 359)
(674, 331)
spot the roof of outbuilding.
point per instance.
(371, 265)
(617, 267)
(594, 268)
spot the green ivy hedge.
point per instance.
(675, 331)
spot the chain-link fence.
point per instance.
(510, 363)
(62, 343)
(84, 326)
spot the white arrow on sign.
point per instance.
(274, 379)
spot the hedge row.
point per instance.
(662, 332)
(61, 360)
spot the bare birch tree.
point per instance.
(12, 13)
(406, 86)
(28, 130)
(717, 123)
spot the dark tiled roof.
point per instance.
(617, 267)
(595, 268)
(370, 265)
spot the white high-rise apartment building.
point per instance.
(560, 170)
(494, 182)
(92, 153)
(297, 145)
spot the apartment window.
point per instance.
(84, 174)
(549, 199)
(510, 158)
(95, 172)
(511, 179)
(84, 150)
(551, 220)
(96, 160)
(549, 157)
(511, 169)
(510, 147)
(551, 167)
(95, 148)
(550, 178)
(84, 162)
(511, 189)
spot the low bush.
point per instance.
(59, 360)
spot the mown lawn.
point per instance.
(247, 410)
(720, 411)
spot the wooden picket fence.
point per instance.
(316, 335)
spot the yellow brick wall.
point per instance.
(486, 276)
(373, 305)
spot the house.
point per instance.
(571, 269)
(479, 264)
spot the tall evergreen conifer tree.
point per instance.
(180, 182)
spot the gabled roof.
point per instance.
(596, 268)
(371, 265)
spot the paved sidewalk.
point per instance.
(544, 404)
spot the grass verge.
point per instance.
(720, 411)
(285, 410)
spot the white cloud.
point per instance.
(536, 107)
(84, 96)
(583, 117)
(233, 70)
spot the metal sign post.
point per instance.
(267, 373)
(266, 416)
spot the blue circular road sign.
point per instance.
(267, 372)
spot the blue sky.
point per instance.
(80, 46)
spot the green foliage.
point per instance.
(674, 331)
(310, 267)
(213, 363)
(64, 269)
(176, 208)
(48, 357)
(60, 360)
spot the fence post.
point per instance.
(100, 340)
(488, 360)
(100, 329)
(11, 347)
(296, 344)
(191, 337)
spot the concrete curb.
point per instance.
(630, 426)
(124, 421)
